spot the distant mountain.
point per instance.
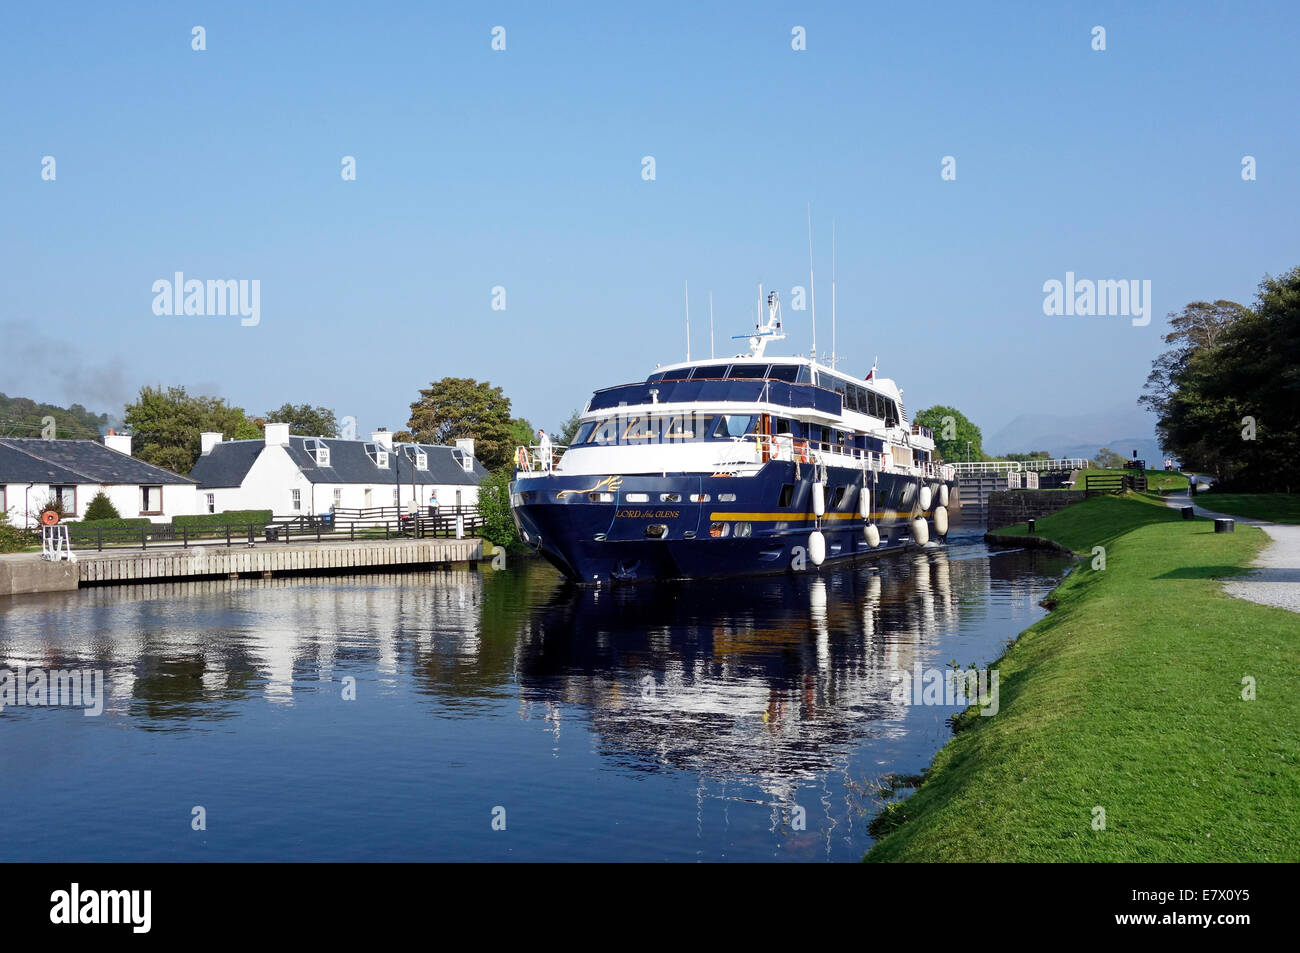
(1121, 428)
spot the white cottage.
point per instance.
(294, 475)
(34, 470)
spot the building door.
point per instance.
(367, 500)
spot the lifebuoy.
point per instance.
(49, 518)
(801, 448)
(521, 458)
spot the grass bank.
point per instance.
(1274, 507)
(1126, 697)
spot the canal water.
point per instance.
(744, 719)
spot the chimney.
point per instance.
(121, 442)
(383, 439)
(466, 445)
(208, 440)
(277, 435)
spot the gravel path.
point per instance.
(1276, 581)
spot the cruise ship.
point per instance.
(720, 467)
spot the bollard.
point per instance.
(1187, 511)
(1031, 525)
(1224, 525)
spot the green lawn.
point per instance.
(1167, 481)
(1274, 507)
(1127, 697)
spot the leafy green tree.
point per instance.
(952, 432)
(569, 429)
(1108, 459)
(1228, 395)
(166, 424)
(306, 420)
(522, 433)
(101, 508)
(1032, 455)
(494, 508)
(457, 407)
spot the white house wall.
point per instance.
(177, 500)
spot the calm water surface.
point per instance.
(669, 722)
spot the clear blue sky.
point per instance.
(523, 169)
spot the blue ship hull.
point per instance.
(587, 527)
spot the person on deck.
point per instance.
(543, 450)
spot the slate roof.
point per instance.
(228, 463)
(35, 460)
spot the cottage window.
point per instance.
(421, 461)
(150, 500)
(338, 496)
(295, 497)
(212, 502)
(66, 497)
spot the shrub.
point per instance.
(88, 527)
(12, 539)
(101, 508)
(228, 518)
(494, 508)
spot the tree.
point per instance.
(101, 508)
(522, 433)
(569, 429)
(306, 420)
(166, 425)
(494, 509)
(1108, 459)
(1228, 396)
(952, 432)
(457, 407)
(1198, 326)
(1032, 455)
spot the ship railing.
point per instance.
(536, 458)
(788, 447)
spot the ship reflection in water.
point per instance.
(748, 718)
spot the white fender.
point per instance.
(872, 534)
(920, 531)
(940, 521)
(925, 498)
(816, 547)
(819, 499)
(864, 503)
(943, 494)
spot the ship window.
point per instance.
(636, 497)
(748, 371)
(719, 530)
(710, 372)
(606, 432)
(656, 376)
(734, 425)
(787, 495)
(699, 497)
(837, 497)
(891, 413)
(784, 372)
(781, 425)
(873, 403)
(584, 432)
(670, 497)
(726, 498)
(687, 427)
(805, 374)
(641, 430)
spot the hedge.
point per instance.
(228, 518)
(90, 525)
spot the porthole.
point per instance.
(719, 530)
(636, 497)
(743, 530)
(656, 531)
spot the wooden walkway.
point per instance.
(197, 562)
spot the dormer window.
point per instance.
(320, 453)
(421, 460)
(464, 459)
(377, 455)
